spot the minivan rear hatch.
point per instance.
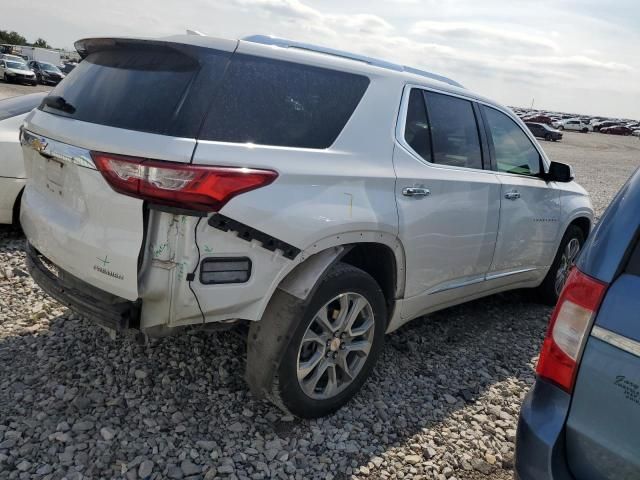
(134, 98)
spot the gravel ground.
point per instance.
(442, 403)
(14, 89)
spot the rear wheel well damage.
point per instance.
(269, 337)
(378, 261)
(584, 224)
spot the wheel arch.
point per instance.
(379, 254)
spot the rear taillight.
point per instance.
(571, 319)
(193, 187)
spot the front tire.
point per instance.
(560, 127)
(547, 137)
(335, 344)
(571, 244)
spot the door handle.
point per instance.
(416, 192)
(513, 195)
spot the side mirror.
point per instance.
(560, 172)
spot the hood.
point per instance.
(20, 71)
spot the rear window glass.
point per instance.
(454, 131)
(272, 102)
(149, 88)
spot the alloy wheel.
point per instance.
(335, 346)
(569, 255)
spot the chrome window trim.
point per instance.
(63, 152)
(615, 339)
(402, 120)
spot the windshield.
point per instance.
(17, 65)
(49, 68)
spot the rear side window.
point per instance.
(513, 151)
(454, 131)
(272, 102)
(150, 88)
(416, 131)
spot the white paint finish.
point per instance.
(449, 236)
(529, 225)
(9, 190)
(75, 219)
(12, 173)
(102, 138)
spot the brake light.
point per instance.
(570, 321)
(193, 187)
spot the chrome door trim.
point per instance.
(460, 284)
(616, 340)
(493, 276)
(63, 152)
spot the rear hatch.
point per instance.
(143, 99)
(603, 427)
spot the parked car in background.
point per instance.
(67, 67)
(170, 214)
(580, 420)
(537, 119)
(607, 123)
(12, 173)
(617, 130)
(46, 73)
(636, 133)
(575, 125)
(17, 72)
(14, 58)
(541, 130)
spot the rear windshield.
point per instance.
(168, 90)
(148, 88)
(272, 102)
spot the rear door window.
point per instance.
(272, 102)
(416, 130)
(513, 151)
(147, 87)
(454, 131)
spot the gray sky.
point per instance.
(570, 55)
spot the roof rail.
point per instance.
(282, 42)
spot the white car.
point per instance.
(17, 71)
(12, 175)
(575, 125)
(324, 198)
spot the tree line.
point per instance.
(14, 38)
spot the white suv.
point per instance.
(325, 198)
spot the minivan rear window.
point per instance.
(273, 102)
(149, 88)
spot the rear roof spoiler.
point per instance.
(282, 42)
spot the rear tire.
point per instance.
(551, 287)
(585, 130)
(560, 127)
(326, 363)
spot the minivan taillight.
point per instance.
(192, 187)
(570, 321)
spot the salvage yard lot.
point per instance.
(443, 401)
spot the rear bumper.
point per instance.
(99, 306)
(540, 441)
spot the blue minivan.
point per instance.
(581, 419)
